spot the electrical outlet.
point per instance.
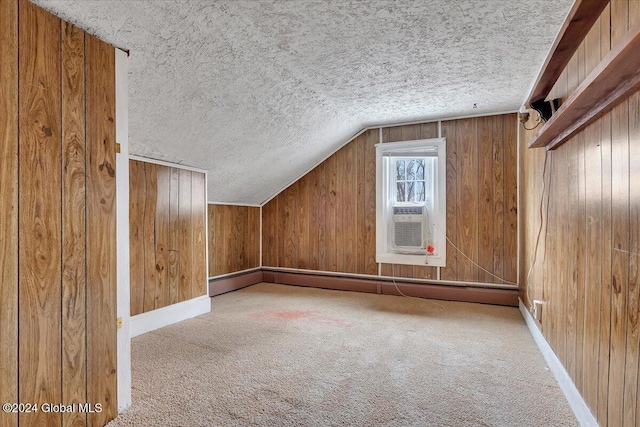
(536, 309)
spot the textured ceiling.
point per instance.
(257, 92)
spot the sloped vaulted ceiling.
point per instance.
(258, 91)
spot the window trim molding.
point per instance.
(440, 202)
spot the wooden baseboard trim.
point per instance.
(234, 282)
(508, 297)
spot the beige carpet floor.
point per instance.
(273, 355)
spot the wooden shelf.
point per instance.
(575, 28)
(615, 78)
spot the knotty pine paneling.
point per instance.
(9, 207)
(57, 146)
(481, 205)
(234, 238)
(167, 235)
(584, 204)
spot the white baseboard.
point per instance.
(156, 319)
(577, 403)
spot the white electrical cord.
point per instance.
(409, 296)
(535, 250)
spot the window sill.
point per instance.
(406, 259)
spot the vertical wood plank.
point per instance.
(620, 230)
(593, 264)
(371, 138)
(570, 225)
(241, 241)
(322, 219)
(633, 296)
(101, 230)
(498, 187)
(40, 186)
(174, 239)
(222, 219)
(290, 222)
(9, 208)
(485, 199)
(580, 238)
(449, 131)
(302, 223)
(269, 232)
(340, 199)
(211, 237)
(330, 226)
(349, 208)
(198, 212)
(467, 215)
(606, 290)
(549, 320)
(149, 228)
(137, 199)
(74, 379)
(360, 205)
(185, 246)
(314, 212)
(162, 236)
(619, 258)
(267, 238)
(509, 130)
(254, 237)
(281, 230)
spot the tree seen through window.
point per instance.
(410, 180)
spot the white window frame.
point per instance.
(439, 214)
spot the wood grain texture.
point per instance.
(368, 224)
(449, 131)
(301, 222)
(345, 199)
(74, 378)
(161, 226)
(485, 205)
(57, 150)
(313, 204)
(137, 208)
(40, 221)
(174, 233)
(166, 235)
(101, 230)
(590, 259)
(509, 137)
(185, 235)
(467, 217)
(498, 176)
(149, 227)
(236, 246)
(199, 212)
(9, 206)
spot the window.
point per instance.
(411, 202)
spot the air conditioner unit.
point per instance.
(408, 229)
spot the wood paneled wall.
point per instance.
(167, 235)
(57, 173)
(585, 206)
(234, 238)
(327, 219)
